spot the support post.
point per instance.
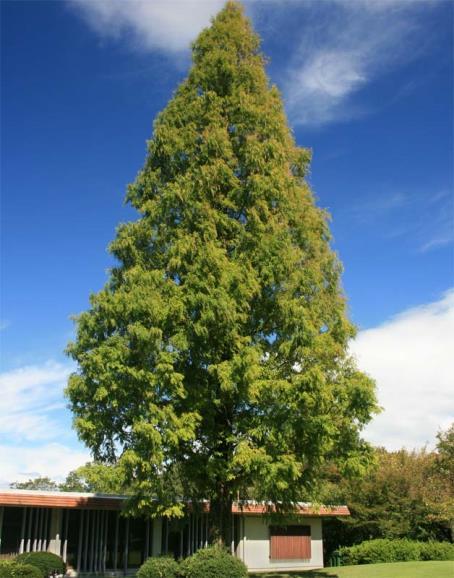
(188, 548)
(45, 543)
(196, 541)
(81, 537)
(29, 531)
(244, 538)
(22, 530)
(125, 561)
(87, 532)
(92, 540)
(65, 542)
(36, 528)
(1, 526)
(97, 536)
(96, 539)
(106, 528)
(117, 522)
(147, 538)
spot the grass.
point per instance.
(396, 570)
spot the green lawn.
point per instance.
(396, 570)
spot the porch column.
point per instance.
(117, 523)
(147, 538)
(106, 536)
(81, 538)
(65, 541)
(126, 551)
(22, 531)
(1, 526)
(35, 529)
(55, 531)
(28, 544)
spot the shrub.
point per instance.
(45, 561)
(375, 551)
(6, 568)
(13, 569)
(437, 551)
(214, 562)
(162, 567)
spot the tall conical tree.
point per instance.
(217, 353)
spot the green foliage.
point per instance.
(403, 495)
(436, 551)
(46, 562)
(97, 478)
(215, 360)
(45, 484)
(214, 562)
(14, 569)
(382, 550)
(162, 567)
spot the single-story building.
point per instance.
(91, 535)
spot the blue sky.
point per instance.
(367, 85)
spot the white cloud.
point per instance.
(20, 463)
(29, 395)
(346, 45)
(411, 358)
(36, 437)
(165, 25)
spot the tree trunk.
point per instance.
(221, 530)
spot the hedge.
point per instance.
(162, 567)
(45, 561)
(214, 562)
(13, 569)
(383, 550)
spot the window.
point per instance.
(290, 542)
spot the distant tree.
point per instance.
(41, 483)
(219, 347)
(403, 495)
(96, 478)
(442, 494)
(445, 457)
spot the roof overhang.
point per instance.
(86, 501)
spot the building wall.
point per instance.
(100, 540)
(254, 546)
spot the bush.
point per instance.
(437, 551)
(162, 567)
(13, 569)
(214, 562)
(45, 561)
(6, 568)
(376, 551)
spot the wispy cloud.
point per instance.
(380, 205)
(438, 242)
(438, 230)
(347, 44)
(30, 396)
(148, 25)
(425, 220)
(411, 359)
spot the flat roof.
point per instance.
(90, 501)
